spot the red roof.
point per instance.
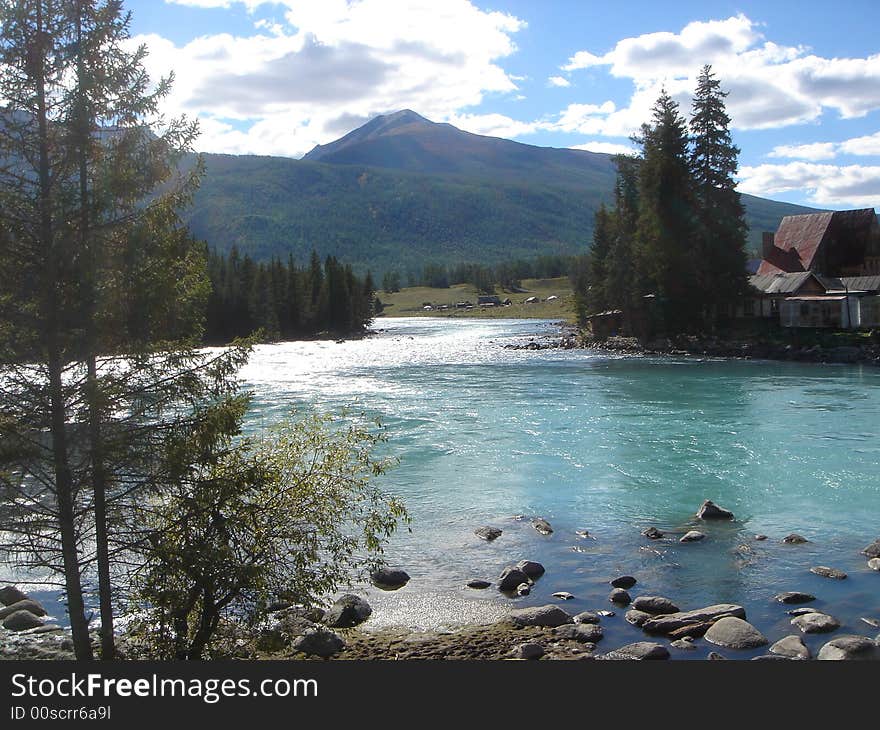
(799, 238)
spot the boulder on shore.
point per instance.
(639, 651)
(735, 633)
(620, 597)
(347, 611)
(527, 651)
(711, 511)
(389, 579)
(675, 621)
(11, 594)
(582, 633)
(22, 621)
(510, 578)
(850, 648)
(319, 641)
(28, 604)
(655, 605)
(549, 616)
(488, 533)
(792, 647)
(815, 623)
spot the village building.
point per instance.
(819, 270)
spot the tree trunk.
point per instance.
(58, 428)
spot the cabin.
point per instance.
(605, 324)
(819, 270)
(488, 301)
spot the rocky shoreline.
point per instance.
(571, 338)
(660, 628)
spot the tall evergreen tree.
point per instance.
(667, 216)
(722, 230)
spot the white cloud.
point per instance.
(609, 148)
(769, 85)
(832, 185)
(814, 152)
(493, 125)
(869, 145)
(560, 81)
(285, 88)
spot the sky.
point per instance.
(277, 78)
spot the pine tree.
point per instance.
(721, 239)
(667, 218)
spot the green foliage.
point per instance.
(671, 253)
(295, 514)
(283, 300)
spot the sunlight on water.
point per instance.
(606, 444)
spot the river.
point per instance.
(607, 444)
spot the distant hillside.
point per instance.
(402, 191)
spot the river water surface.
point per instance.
(606, 444)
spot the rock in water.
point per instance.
(624, 581)
(318, 641)
(389, 579)
(640, 651)
(583, 633)
(542, 526)
(529, 650)
(794, 597)
(21, 621)
(714, 656)
(827, 572)
(874, 563)
(548, 616)
(695, 620)
(510, 578)
(488, 533)
(347, 611)
(563, 595)
(652, 533)
(478, 584)
(872, 551)
(532, 569)
(794, 539)
(711, 511)
(587, 617)
(655, 605)
(692, 536)
(850, 648)
(815, 623)
(636, 618)
(620, 597)
(686, 644)
(760, 538)
(10, 595)
(734, 633)
(791, 646)
(28, 604)
(523, 589)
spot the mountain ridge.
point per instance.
(401, 191)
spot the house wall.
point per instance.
(869, 312)
(831, 313)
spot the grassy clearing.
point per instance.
(410, 302)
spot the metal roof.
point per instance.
(780, 283)
(799, 237)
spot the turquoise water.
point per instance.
(605, 444)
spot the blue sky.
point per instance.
(276, 78)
